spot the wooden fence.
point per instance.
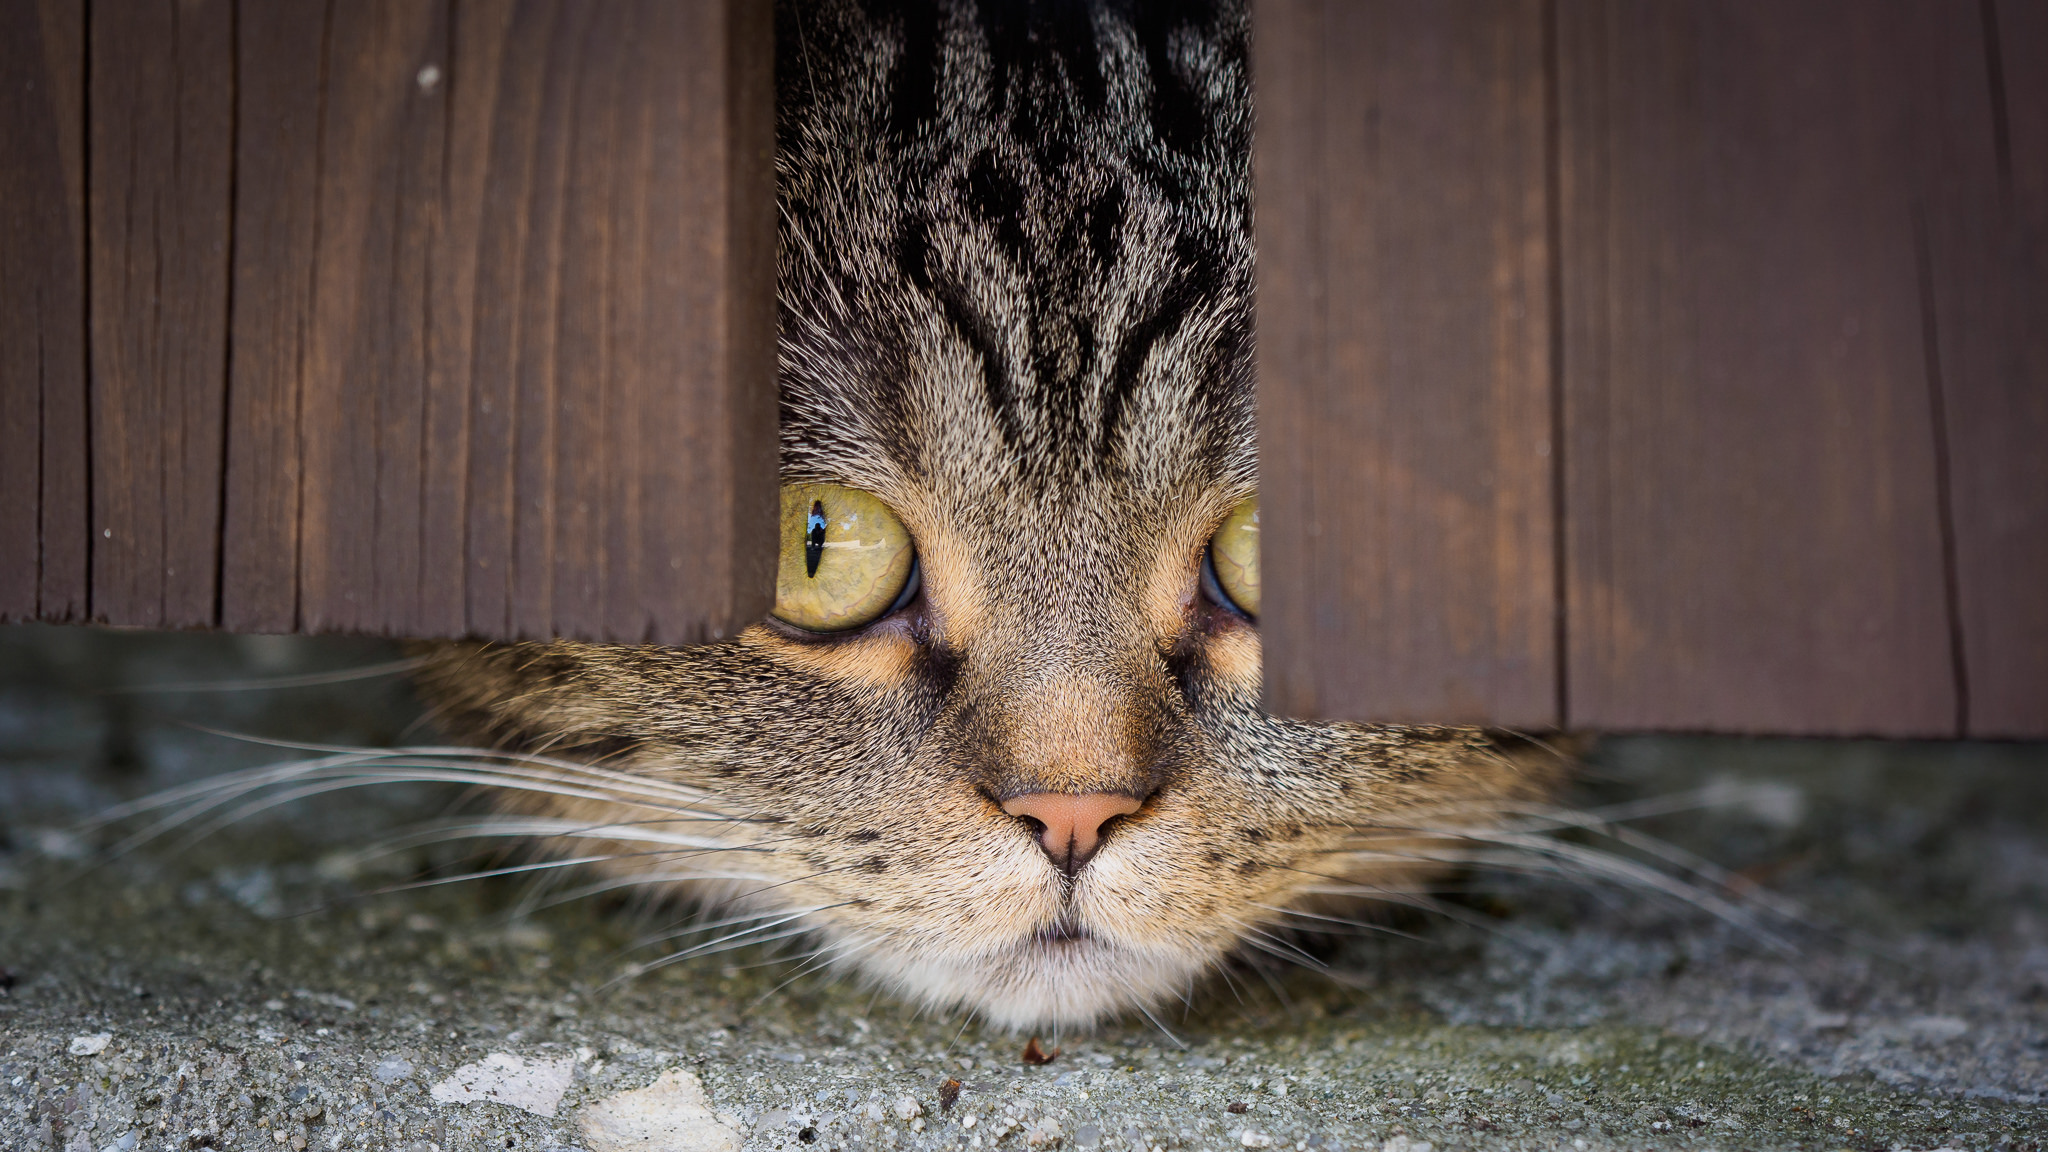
(397, 316)
(1629, 364)
(1623, 364)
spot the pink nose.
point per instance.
(1070, 826)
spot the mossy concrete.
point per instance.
(264, 989)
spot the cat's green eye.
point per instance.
(846, 559)
(1234, 557)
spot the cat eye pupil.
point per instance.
(873, 567)
(814, 539)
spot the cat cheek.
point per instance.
(879, 660)
(1235, 656)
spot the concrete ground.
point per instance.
(258, 986)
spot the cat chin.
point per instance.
(1073, 983)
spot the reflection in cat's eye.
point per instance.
(1234, 558)
(814, 538)
(846, 559)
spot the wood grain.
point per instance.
(617, 486)
(1988, 278)
(381, 138)
(2018, 35)
(1755, 534)
(281, 49)
(1705, 337)
(43, 454)
(1404, 336)
(160, 147)
(492, 292)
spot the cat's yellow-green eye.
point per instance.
(1233, 560)
(846, 559)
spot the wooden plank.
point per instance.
(2017, 38)
(1754, 536)
(1990, 281)
(620, 443)
(161, 156)
(497, 117)
(714, 445)
(1988, 272)
(539, 300)
(43, 457)
(564, 561)
(452, 400)
(1404, 344)
(505, 318)
(382, 138)
(280, 54)
(739, 467)
(498, 358)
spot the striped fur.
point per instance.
(1016, 305)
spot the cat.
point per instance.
(1001, 746)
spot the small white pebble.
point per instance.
(907, 1108)
(1251, 1139)
(968, 1121)
(1042, 1133)
(91, 1045)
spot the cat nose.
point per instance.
(1070, 825)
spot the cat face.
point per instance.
(1015, 318)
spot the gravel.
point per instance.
(266, 987)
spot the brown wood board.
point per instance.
(617, 485)
(405, 323)
(381, 139)
(43, 451)
(1987, 267)
(2017, 35)
(1404, 336)
(398, 322)
(280, 51)
(1754, 529)
(160, 150)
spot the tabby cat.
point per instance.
(1000, 745)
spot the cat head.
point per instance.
(1026, 770)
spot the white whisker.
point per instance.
(728, 921)
(302, 680)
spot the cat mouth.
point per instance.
(1061, 931)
